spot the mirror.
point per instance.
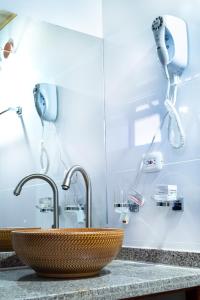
(34, 52)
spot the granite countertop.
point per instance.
(120, 279)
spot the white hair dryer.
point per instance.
(171, 39)
(170, 34)
(46, 104)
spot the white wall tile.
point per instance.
(135, 88)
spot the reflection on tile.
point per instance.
(143, 129)
(72, 61)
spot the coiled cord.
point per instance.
(176, 134)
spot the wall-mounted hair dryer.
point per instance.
(170, 34)
(46, 101)
(171, 39)
(46, 104)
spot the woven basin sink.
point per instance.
(71, 252)
(5, 237)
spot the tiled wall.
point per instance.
(72, 61)
(135, 88)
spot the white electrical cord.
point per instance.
(44, 156)
(61, 151)
(44, 159)
(60, 148)
(176, 134)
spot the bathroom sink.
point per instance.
(5, 238)
(67, 252)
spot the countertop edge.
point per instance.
(188, 278)
(169, 257)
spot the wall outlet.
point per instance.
(153, 162)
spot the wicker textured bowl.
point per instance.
(72, 252)
(5, 238)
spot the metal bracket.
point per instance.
(176, 205)
(133, 207)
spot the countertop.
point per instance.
(120, 279)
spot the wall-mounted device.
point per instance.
(152, 162)
(170, 34)
(165, 195)
(127, 203)
(77, 209)
(45, 204)
(171, 39)
(46, 101)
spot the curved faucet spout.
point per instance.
(18, 190)
(66, 185)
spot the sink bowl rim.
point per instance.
(16, 228)
(68, 231)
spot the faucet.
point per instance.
(18, 189)
(66, 185)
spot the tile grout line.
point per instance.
(166, 164)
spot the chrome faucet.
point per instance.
(66, 185)
(18, 189)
